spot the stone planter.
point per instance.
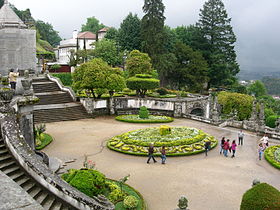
(6, 94)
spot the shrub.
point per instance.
(55, 67)
(164, 130)
(65, 78)
(141, 84)
(130, 202)
(261, 196)
(271, 121)
(272, 155)
(90, 182)
(143, 112)
(162, 91)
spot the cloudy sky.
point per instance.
(256, 23)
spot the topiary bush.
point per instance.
(130, 202)
(164, 130)
(88, 181)
(162, 91)
(271, 121)
(143, 112)
(260, 197)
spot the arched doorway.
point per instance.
(197, 112)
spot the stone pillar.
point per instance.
(111, 105)
(177, 109)
(26, 123)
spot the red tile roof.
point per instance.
(103, 30)
(87, 35)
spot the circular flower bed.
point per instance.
(181, 141)
(272, 155)
(151, 119)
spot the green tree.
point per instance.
(107, 50)
(129, 33)
(112, 34)
(232, 102)
(152, 28)
(92, 25)
(138, 63)
(1, 3)
(98, 77)
(214, 24)
(257, 89)
(48, 33)
(142, 83)
(190, 69)
(115, 81)
(272, 85)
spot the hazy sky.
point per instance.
(256, 23)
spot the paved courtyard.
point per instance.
(210, 183)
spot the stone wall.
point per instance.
(35, 168)
(17, 49)
(176, 107)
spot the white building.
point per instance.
(82, 40)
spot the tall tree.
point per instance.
(112, 34)
(129, 33)
(48, 33)
(1, 3)
(152, 28)
(257, 89)
(92, 25)
(190, 69)
(214, 24)
(107, 51)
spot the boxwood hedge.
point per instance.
(272, 155)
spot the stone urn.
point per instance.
(6, 94)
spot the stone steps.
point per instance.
(9, 166)
(55, 105)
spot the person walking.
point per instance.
(13, 78)
(151, 153)
(226, 148)
(240, 137)
(260, 150)
(233, 148)
(207, 146)
(163, 155)
(222, 145)
(264, 140)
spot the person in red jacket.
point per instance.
(226, 148)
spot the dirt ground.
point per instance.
(210, 183)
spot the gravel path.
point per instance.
(210, 183)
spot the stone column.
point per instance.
(26, 123)
(177, 109)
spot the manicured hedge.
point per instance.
(270, 155)
(260, 197)
(150, 119)
(47, 139)
(65, 78)
(176, 143)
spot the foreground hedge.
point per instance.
(260, 197)
(150, 119)
(137, 142)
(272, 155)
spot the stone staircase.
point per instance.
(55, 105)
(9, 166)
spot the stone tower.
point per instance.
(17, 42)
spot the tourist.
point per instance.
(264, 140)
(260, 150)
(13, 78)
(207, 146)
(233, 148)
(163, 155)
(240, 137)
(222, 145)
(226, 148)
(151, 153)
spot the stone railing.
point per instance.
(62, 87)
(35, 168)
